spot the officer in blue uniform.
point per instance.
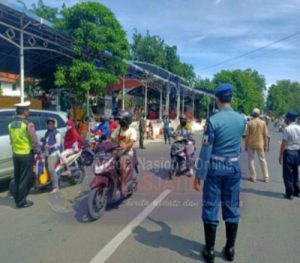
(218, 166)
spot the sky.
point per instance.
(209, 32)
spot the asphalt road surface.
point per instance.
(57, 228)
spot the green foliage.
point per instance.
(283, 96)
(205, 100)
(149, 49)
(44, 11)
(81, 77)
(96, 31)
(153, 49)
(248, 88)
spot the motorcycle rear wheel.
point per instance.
(97, 202)
(78, 176)
(87, 158)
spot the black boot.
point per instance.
(208, 252)
(231, 233)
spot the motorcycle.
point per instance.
(89, 147)
(42, 177)
(182, 157)
(106, 185)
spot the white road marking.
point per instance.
(106, 252)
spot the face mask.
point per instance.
(69, 128)
(51, 127)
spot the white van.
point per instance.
(39, 118)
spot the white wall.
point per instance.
(7, 89)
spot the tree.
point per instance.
(283, 96)
(100, 45)
(153, 50)
(44, 11)
(248, 88)
(205, 100)
(186, 71)
(148, 49)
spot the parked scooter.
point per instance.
(106, 185)
(182, 156)
(42, 177)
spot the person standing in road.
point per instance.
(289, 155)
(166, 127)
(24, 143)
(220, 169)
(142, 125)
(256, 141)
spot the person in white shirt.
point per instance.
(289, 156)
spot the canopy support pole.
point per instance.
(22, 61)
(193, 106)
(146, 99)
(160, 105)
(123, 94)
(182, 104)
(178, 102)
(168, 101)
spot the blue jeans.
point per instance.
(225, 190)
(52, 160)
(167, 135)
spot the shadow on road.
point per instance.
(162, 173)
(165, 239)
(80, 208)
(262, 193)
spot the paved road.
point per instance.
(57, 229)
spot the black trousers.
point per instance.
(23, 174)
(290, 172)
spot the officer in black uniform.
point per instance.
(24, 143)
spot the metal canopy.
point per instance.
(167, 77)
(29, 45)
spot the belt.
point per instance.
(225, 159)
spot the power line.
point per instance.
(250, 52)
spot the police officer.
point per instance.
(288, 155)
(24, 143)
(219, 168)
(142, 124)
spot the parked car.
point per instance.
(39, 118)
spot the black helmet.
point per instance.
(183, 120)
(125, 118)
(102, 119)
